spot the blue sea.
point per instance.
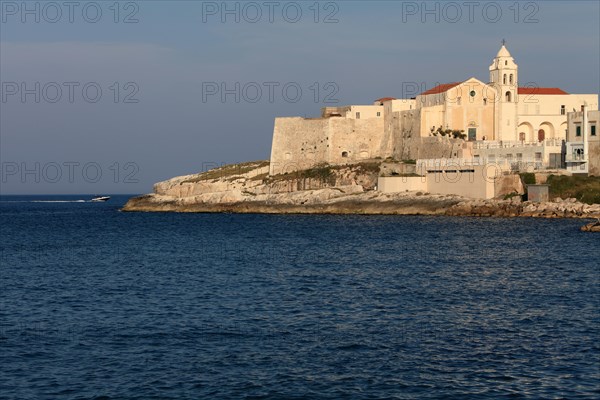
(100, 304)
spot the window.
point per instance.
(504, 80)
(511, 78)
(578, 130)
(505, 62)
(508, 97)
(563, 110)
(593, 130)
(509, 157)
(378, 114)
(538, 156)
(485, 102)
(357, 115)
(458, 101)
(345, 154)
(519, 156)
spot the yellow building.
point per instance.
(500, 110)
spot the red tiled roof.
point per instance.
(441, 88)
(384, 99)
(540, 90)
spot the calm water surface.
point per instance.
(99, 304)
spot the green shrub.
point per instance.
(323, 173)
(228, 171)
(528, 178)
(584, 188)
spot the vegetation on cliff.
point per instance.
(528, 178)
(231, 171)
(331, 175)
(586, 189)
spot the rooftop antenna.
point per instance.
(503, 42)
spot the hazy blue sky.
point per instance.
(176, 49)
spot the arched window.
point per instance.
(504, 80)
(511, 78)
(508, 97)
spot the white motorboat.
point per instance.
(100, 199)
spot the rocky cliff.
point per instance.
(247, 188)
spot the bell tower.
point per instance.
(504, 77)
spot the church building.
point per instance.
(501, 110)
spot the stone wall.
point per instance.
(594, 157)
(405, 129)
(300, 143)
(353, 140)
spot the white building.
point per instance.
(582, 152)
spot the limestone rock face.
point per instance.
(251, 179)
(508, 184)
(592, 227)
(247, 188)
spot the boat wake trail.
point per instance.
(58, 201)
(47, 201)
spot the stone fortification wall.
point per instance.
(353, 140)
(300, 143)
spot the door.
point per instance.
(472, 134)
(541, 135)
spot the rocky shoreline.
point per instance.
(351, 189)
(345, 201)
